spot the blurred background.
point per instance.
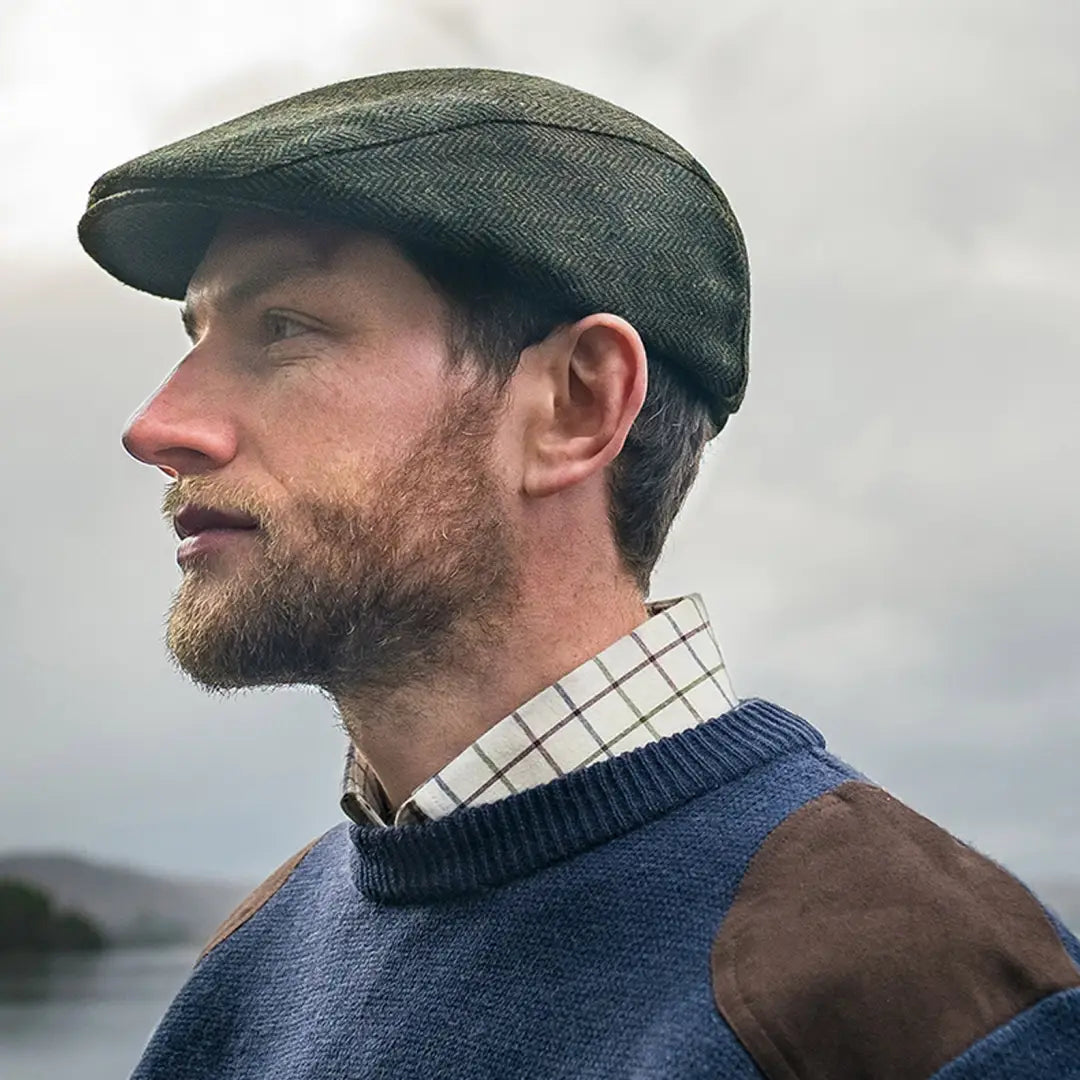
(886, 534)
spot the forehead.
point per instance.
(253, 252)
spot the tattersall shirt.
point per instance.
(663, 677)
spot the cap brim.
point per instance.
(154, 241)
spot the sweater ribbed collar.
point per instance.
(487, 846)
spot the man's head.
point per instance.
(419, 424)
(401, 487)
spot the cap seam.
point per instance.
(301, 159)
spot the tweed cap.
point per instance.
(574, 197)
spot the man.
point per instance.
(458, 340)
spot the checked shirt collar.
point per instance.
(663, 677)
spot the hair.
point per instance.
(493, 318)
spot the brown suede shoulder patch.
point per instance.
(866, 942)
(255, 900)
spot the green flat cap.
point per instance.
(572, 195)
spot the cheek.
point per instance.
(323, 423)
(506, 459)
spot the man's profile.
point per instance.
(459, 339)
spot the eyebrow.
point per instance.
(251, 287)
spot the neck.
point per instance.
(409, 732)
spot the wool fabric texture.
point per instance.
(573, 197)
(563, 932)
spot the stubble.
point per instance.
(362, 589)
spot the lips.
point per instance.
(196, 519)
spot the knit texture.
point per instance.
(1040, 1044)
(561, 932)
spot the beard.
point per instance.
(362, 590)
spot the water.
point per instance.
(85, 1016)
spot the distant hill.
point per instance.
(131, 906)
(30, 923)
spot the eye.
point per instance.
(281, 327)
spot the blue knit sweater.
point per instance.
(686, 910)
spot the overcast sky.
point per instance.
(886, 534)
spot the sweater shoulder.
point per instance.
(259, 896)
(864, 940)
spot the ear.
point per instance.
(588, 385)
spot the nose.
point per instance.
(181, 428)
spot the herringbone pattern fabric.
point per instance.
(573, 196)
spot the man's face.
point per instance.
(316, 399)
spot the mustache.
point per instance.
(210, 496)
